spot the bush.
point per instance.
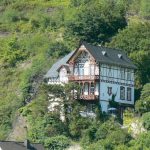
(142, 142)
(101, 133)
(57, 143)
(146, 120)
(95, 146)
(143, 104)
(89, 136)
(97, 22)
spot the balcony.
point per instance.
(83, 77)
(87, 97)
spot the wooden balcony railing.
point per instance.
(83, 77)
(87, 97)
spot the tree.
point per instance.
(142, 142)
(143, 105)
(97, 21)
(146, 120)
(77, 3)
(145, 8)
(11, 52)
(142, 61)
(66, 94)
(57, 143)
(134, 40)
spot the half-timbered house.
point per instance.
(103, 73)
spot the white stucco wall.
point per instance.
(111, 77)
(63, 75)
(56, 102)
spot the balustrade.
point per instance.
(83, 77)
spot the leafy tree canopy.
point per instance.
(143, 105)
(134, 39)
(97, 21)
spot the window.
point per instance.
(109, 72)
(129, 94)
(122, 93)
(97, 70)
(109, 91)
(76, 71)
(81, 69)
(92, 89)
(92, 69)
(86, 88)
(122, 72)
(128, 74)
(81, 64)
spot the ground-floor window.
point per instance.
(129, 94)
(122, 93)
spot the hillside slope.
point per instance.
(35, 33)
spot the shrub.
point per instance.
(146, 120)
(57, 143)
(95, 146)
(101, 133)
(89, 136)
(142, 142)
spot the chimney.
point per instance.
(27, 144)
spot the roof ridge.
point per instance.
(109, 48)
(18, 142)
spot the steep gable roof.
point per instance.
(108, 55)
(12, 145)
(53, 72)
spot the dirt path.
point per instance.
(18, 132)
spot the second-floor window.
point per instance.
(92, 68)
(81, 70)
(109, 72)
(128, 74)
(122, 73)
(122, 93)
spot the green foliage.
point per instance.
(77, 3)
(105, 135)
(89, 135)
(134, 39)
(146, 120)
(113, 103)
(98, 21)
(57, 49)
(11, 52)
(34, 34)
(145, 8)
(42, 124)
(77, 124)
(95, 146)
(142, 142)
(141, 59)
(45, 126)
(143, 105)
(57, 143)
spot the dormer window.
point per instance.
(120, 56)
(82, 46)
(104, 53)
